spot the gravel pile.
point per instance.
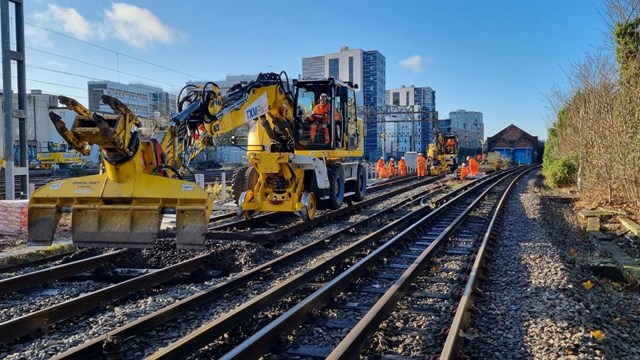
(536, 303)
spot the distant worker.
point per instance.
(484, 158)
(422, 165)
(451, 146)
(478, 158)
(402, 165)
(473, 166)
(320, 119)
(382, 169)
(392, 167)
(464, 171)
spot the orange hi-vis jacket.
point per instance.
(403, 167)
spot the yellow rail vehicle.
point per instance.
(60, 154)
(299, 160)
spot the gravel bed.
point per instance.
(535, 304)
(74, 332)
(230, 256)
(18, 304)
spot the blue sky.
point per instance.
(502, 58)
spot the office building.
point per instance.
(414, 131)
(468, 125)
(144, 100)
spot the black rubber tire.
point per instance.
(237, 182)
(360, 184)
(336, 187)
(251, 177)
(244, 178)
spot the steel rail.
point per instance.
(453, 341)
(301, 226)
(26, 324)
(94, 348)
(264, 339)
(24, 281)
(204, 335)
(350, 346)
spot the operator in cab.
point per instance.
(320, 119)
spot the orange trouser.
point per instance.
(314, 128)
(422, 170)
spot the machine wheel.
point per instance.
(336, 187)
(308, 211)
(360, 184)
(245, 197)
(244, 178)
(237, 182)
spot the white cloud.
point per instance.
(139, 27)
(70, 20)
(414, 63)
(37, 37)
(136, 26)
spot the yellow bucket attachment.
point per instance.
(128, 214)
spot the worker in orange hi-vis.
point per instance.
(451, 144)
(382, 169)
(473, 166)
(392, 167)
(422, 165)
(402, 165)
(464, 171)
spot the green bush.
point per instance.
(560, 173)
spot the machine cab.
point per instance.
(325, 126)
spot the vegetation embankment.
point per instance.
(594, 142)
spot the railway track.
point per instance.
(363, 295)
(434, 227)
(14, 329)
(345, 239)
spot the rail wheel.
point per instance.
(245, 197)
(308, 211)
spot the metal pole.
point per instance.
(22, 97)
(7, 101)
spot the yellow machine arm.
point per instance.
(122, 207)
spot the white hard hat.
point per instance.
(391, 159)
(402, 158)
(419, 153)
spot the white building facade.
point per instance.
(412, 132)
(469, 126)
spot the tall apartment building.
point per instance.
(144, 100)
(468, 125)
(367, 69)
(413, 132)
